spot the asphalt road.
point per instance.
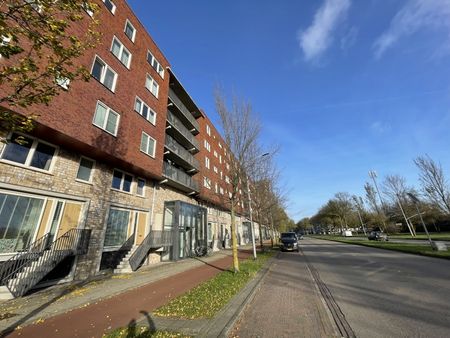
(384, 293)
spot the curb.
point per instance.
(224, 322)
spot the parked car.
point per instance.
(289, 242)
(377, 235)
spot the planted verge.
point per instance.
(205, 300)
(418, 249)
(143, 332)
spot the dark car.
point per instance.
(289, 242)
(377, 235)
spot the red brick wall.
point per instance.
(214, 139)
(71, 113)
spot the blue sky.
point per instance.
(343, 86)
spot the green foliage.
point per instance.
(39, 46)
(205, 300)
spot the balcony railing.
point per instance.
(179, 176)
(176, 123)
(178, 149)
(182, 108)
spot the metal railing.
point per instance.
(179, 176)
(43, 258)
(29, 254)
(178, 149)
(155, 239)
(182, 108)
(178, 125)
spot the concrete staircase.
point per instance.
(124, 265)
(5, 294)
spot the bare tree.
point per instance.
(241, 130)
(371, 198)
(394, 186)
(433, 182)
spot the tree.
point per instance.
(40, 45)
(433, 182)
(394, 186)
(241, 130)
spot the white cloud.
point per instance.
(316, 39)
(380, 127)
(414, 16)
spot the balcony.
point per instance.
(185, 113)
(180, 133)
(180, 155)
(179, 179)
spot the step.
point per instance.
(5, 294)
(123, 270)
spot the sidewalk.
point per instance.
(288, 304)
(91, 309)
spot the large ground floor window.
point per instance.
(117, 227)
(19, 219)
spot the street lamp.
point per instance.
(416, 201)
(359, 214)
(252, 230)
(373, 175)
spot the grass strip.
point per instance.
(205, 300)
(417, 249)
(444, 236)
(142, 332)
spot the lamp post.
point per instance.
(373, 175)
(359, 214)
(416, 201)
(252, 229)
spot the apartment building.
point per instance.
(122, 171)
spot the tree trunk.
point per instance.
(261, 242)
(234, 240)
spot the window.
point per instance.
(152, 85)
(155, 64)
(104, 74)
(207, 182)
(142, 108)
(87, 9)
(35, 5)
(216, 188)
(121, 181)
(106, 118)
(228, 166)
(220, 159)
(130, 31)
(140, 190)
(4, 42)
(208, 130)
(221, 190)
(215, 154)
(207, 146)
(110, 5)
(215, 169)
(120, 52)
(85, 169)
(63, 82)
(227, 179)
(207, 162)
(29, 152)
(220, 145)
(148, 144)
(117, 227)
(221, 175)
(19, 218)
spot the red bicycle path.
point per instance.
(96, 319)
